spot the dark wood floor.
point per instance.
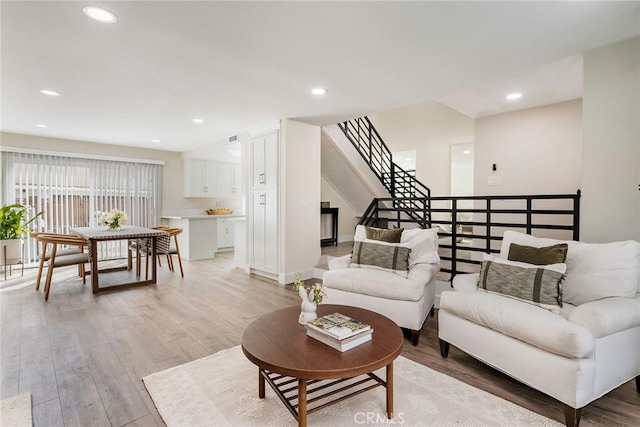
(82, 356)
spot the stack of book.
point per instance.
(339, 331)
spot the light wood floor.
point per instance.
(82, 356)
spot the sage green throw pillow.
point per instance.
(538, 256)
(538, 285)
(387, 257)
(383, 235)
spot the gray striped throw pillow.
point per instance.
(534, 284)
(389, 257)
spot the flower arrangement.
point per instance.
(114, 219)
(314, 293)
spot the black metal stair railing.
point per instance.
(471, 225)
(408, 195)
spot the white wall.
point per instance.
(536, 151)
(299, 199)
(219, 150)
(347, 219)
(429, 128)
(611, 148)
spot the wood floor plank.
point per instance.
(188, 348)
(136, 355)
(119, 395)
(11, 333)
(87, 329)
(37, 375)
(9, 376)
(47, 414)
(79, 399)
(10, 322)
(68, 356)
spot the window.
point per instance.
(73, 192)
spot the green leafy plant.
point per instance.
(13, 221)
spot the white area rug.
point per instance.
(16, 411)
(222, 390)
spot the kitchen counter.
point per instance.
(204, 216)
(203, 235)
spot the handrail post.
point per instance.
(392, 190)
(576, 216)
(488, 230)
(529, 215)
(454, 236)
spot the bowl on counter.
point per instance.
(219, 211)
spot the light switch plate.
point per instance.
(493, 180)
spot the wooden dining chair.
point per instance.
(142, 248)
(61, 257)
(174, 249)
(44, 256)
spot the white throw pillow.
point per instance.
(594, 270)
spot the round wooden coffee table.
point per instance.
(284, 354)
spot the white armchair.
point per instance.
(405, 300)
(577, 355)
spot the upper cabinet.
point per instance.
(264, 162)
(208, 178)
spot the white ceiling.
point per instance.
(241, 65)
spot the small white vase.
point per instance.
(307, 308)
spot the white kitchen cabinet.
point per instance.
(208, 178)
(227, 179)
(263, 221)
(225, 234)
(199, 178)
(264, 162)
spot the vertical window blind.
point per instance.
(74, 192)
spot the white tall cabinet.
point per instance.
(263, 218)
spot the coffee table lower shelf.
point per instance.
(297, 394)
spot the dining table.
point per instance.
(148, 237)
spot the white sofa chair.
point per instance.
(405, 300)
(577, 355)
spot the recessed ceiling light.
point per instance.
(42, 126)
(318, 91)
(513, 96)
(408, 159)
(49, 92)
(197, 120)
(466, 152)
(155, 140)
(99, 14)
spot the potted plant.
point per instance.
(14, 224)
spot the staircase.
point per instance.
(409, 201)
